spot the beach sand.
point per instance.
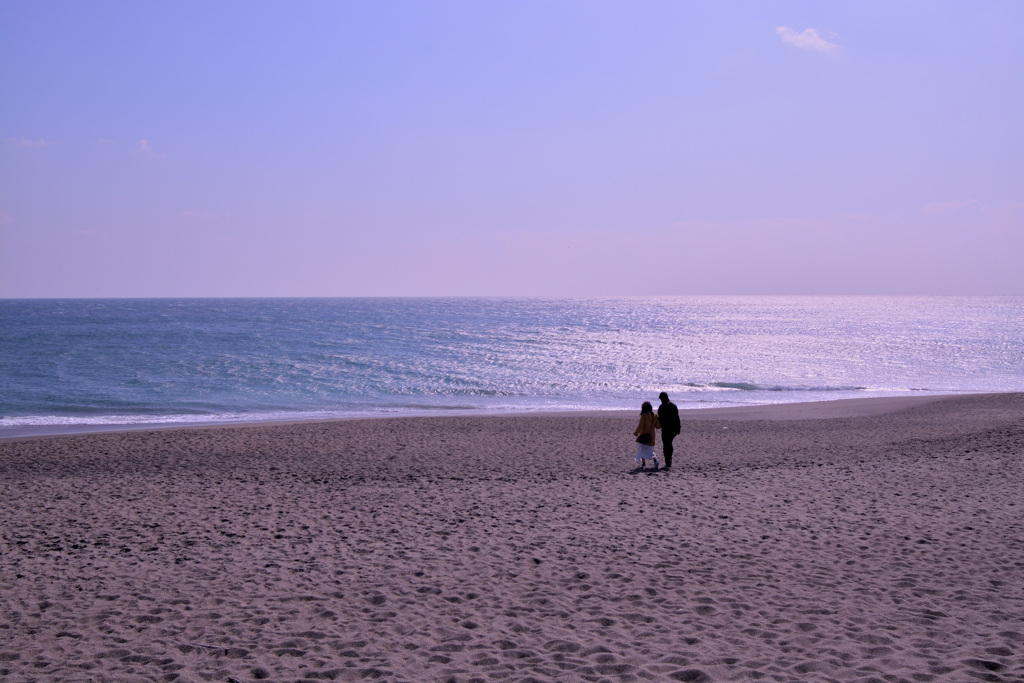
(873, 540)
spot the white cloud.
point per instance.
(91, 234)
(972, 207)
(206, 215)
(25, 142)
(145, 148)
(808, 40)
(956, 206)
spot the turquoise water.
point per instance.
(135, 361)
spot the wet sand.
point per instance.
(873, 540)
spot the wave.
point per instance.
(749, 386)
(137, 419)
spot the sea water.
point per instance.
(94, 363)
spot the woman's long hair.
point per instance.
(646, 408)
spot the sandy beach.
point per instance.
(868, 540)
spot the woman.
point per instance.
(644, 434)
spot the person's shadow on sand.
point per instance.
(647, 470)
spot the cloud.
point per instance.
(808, 40)
(205, 215)
(25, 142)
(91, 234)
(956, 207)
(145, 148)
(974, 208)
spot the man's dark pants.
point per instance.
(666, 439)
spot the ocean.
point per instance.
(84, 364)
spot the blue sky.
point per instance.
(511, 148)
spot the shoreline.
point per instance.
(845, 407)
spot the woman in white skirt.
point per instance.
(644, 434)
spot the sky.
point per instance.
(511, 148)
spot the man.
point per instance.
(668, 416)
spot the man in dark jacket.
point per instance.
(668, 416)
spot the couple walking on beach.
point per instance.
(667, 420)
